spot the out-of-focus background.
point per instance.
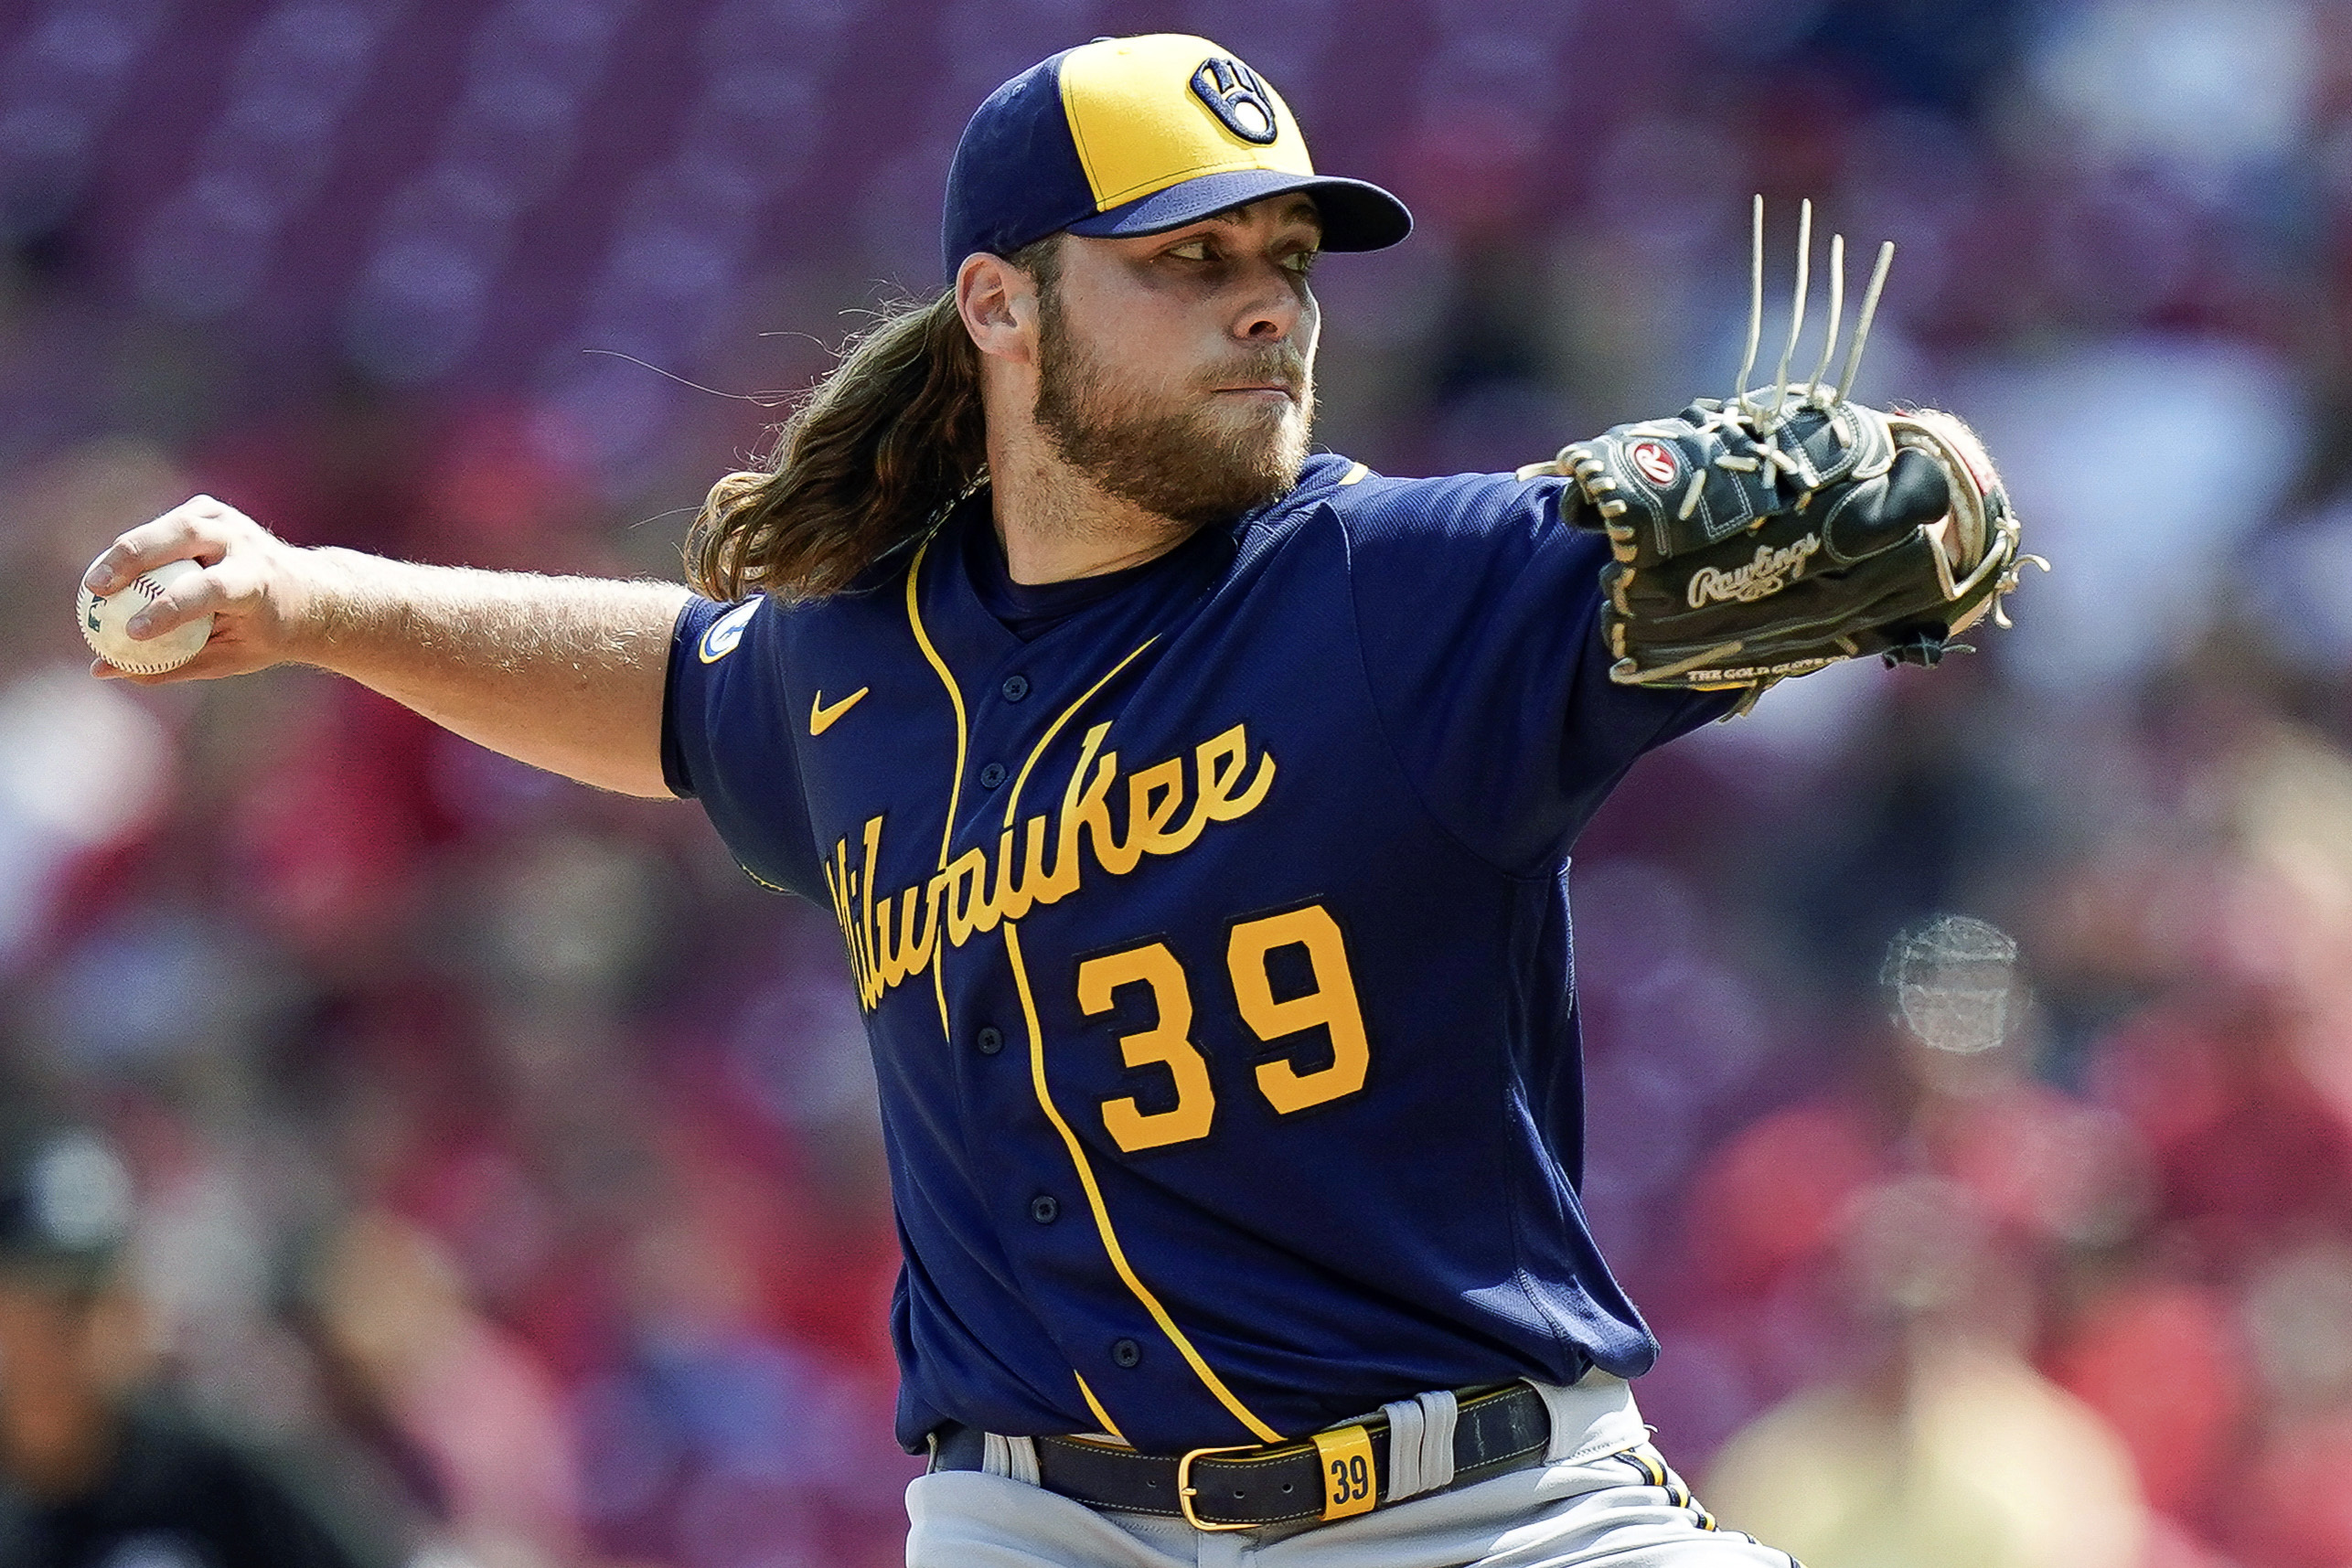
(498, 1138)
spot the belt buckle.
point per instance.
(1186, 1492)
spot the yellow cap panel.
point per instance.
(1140, 126)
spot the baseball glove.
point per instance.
(1774, 533)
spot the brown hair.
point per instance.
(869, 459)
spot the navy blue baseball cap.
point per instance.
(1139, 136)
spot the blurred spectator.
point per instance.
(1944, 1448)
(475, 1406)
(2179, 1425)
(94, 1473)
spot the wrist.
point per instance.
(319, 603)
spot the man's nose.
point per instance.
(1273, 310)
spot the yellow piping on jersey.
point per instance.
(1100, 1414)
(956, 784)
(1201, 1369)
(760, 879)
(939, 666)
(1012, 802)
(1354, 473)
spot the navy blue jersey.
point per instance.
(1212, 931)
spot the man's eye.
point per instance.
(1302, 261)
(1190, 250)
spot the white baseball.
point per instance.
(102, 622)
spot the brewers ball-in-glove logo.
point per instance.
(1784, 529)
(1235, 95)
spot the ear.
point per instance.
(999, 304)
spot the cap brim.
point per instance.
(1357, 215)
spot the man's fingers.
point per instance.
(212, 663)
(171, 536)
(105, 671)
(190, 530)
(208, 593)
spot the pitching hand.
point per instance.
(260, 590)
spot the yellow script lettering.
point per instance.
(893, 938)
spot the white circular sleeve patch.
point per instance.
(719, 638)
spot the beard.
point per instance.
(1173, 454)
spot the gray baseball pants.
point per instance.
(1603, 1498)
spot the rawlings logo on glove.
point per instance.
(1759, 579)
(1777, 532)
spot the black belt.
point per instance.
(1332, 1475)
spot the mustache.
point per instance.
(1283, 365)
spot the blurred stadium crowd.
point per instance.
(501, 1145)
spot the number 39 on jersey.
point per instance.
(1301, 953)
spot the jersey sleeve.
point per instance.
(727, 738)
(1478, 608)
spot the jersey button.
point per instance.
(992, 776)
(990, 1039)
(1016, 687)
(1126, 1352)
(1043, 1209)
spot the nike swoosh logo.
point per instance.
(821, 718)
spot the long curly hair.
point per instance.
(867, 460)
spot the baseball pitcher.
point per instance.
(1195, 810)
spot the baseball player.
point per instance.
(1196, 812)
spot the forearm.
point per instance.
(564, 673)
